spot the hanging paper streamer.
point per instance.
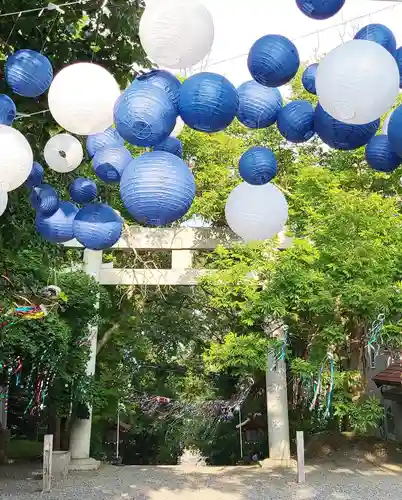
(279, 354)
(374, 336)
(331, 385)
(319, 385)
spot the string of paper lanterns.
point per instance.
(355, 83)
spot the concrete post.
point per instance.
(277, 408)
(80, 439)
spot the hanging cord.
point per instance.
(101, 11)
(12, 30)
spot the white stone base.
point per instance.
(273, 463)
(83, 464)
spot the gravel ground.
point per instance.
(351, 481)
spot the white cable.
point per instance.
(50, 6)
(314, 32)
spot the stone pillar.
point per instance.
(80, 439)
(277, 408)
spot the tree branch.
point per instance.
(106, 337)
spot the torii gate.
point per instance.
(181, 242)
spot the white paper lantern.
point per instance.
(16, 158)
(82, 97)
(178, 129)
(63, 153)
(386, 123)
(357, 82)
(256, 212)
(3, 201)
(177, 33)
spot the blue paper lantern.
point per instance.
(164, 80)
(379, 154)
(208, 102)
(83, 190)
(320, 9)
(28, 73)
(44, 199)
(145, 115)
(339, 135)
(8, 110)
(157, 188)
(258, 105)
(58, 228)
(110, 162)
(380, 34)
(273, 60)
(258, 165)
(395, 131)
(97, 226)
(110, 137)
(36, 176)
(308, 78)
(296, 121)
(398, 59)
(171, 145)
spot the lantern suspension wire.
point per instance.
(306, 35)
(50, 6)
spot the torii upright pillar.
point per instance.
(80, 439)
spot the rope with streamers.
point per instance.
(374, 336)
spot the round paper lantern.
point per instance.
(357, 82)
(171, 145)
(398, 59)
(380, 34)
(145, 115)
(36, 176)
(8, 111)
(3, 201)
(110, 137)
(320, 9)
(97, 226)
(44, 199)
(341, 135)
(176, 34)
(28, 73)
(273, 60)
(63, 153)
(208, 102)
(258, 165)
(178, 128)
(157, 188)
(109, 163)
(395, 131)
(296, 121)
(258, 105)
(83, 190)
(386, 123)
(58, 228)
(256, 212)
(164, 80)
(16, 158)
(379, 154)
(82, 97)
(308, 78)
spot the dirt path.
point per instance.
(350, 481)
